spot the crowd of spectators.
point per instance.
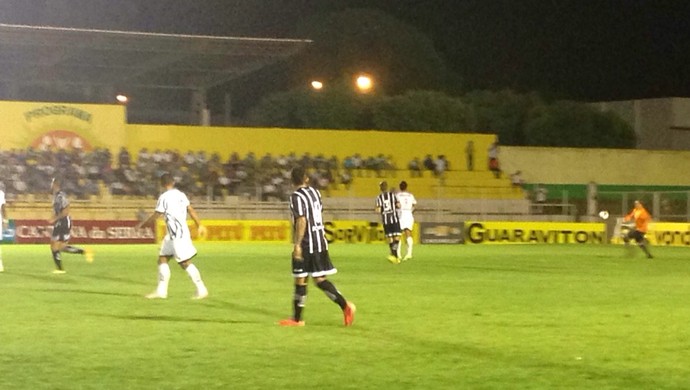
(89, 173)
(436, 166)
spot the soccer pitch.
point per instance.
(475, 317)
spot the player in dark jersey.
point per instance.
(387, 205)
(310, 250)
(62, 227)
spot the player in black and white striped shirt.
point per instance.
(387, 205)
(310, 250)
(62, 227)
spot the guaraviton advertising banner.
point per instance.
(534, 233)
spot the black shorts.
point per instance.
(636, 235)
(314, 265)
(62, 230)
(392, 229)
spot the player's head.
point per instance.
(299, 176)
(403, 185)
(383, 186)
(167, 180)
(638, 204)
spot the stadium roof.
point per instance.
(31, 55)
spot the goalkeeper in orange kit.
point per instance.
(641, 217)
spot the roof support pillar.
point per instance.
(200, 110)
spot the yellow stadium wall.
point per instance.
(66, 125)
(603, 166)
(62, 125)
(341, 143)
(87, 126)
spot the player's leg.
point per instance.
(334, 295)
(88, 254)
(165, 253)
(184, 252)
(392, 249)
(299, 300)
(409, 242)
(641, 242)
(163, 279)
(2, 267)
(55, 248)
(397, 246)
(394, 245)
(299, 297)
(195, 275)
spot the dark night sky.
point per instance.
(564, 48)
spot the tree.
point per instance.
(421, 111)
(335, 107)
(503, 112)
(571, 124)
(397, 55)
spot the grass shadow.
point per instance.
(167, 318)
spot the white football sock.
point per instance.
(408, 240)
(163, 279)
(195, 275)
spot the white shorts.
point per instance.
(406, 222)
(182, 248)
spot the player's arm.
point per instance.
(629, 216)
(195, 217)
(300, 229)
(148, 220)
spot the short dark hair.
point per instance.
(297, 174)
(383, 185)
(403, 185)
(56, 180)
(167, 179)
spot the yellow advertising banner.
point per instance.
(534, 233)
(61, 125)
(349, 231)
(664, 233)
(224, 230)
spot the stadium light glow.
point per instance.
(364, 83)
(317, 85)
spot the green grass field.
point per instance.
(473, 317)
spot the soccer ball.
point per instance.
(603, 214)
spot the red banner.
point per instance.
(36, 231)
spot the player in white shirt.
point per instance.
(174, 206)
(407, 207)
(2, 220)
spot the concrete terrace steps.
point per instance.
(455, 184)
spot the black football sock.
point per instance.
(394, 248)
(332, 293)
(73, 249)
(299, 301)
(57, 260)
